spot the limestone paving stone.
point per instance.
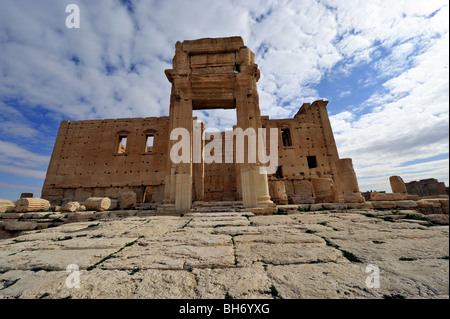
(21, 226)
(182, 249)
(165, 284)
(218, 222)
(53, 259)
(242, 283)
(321, 281)
(421, 278)
(284, 254)
(11, 215)
(440, 219)
(301, 256)
(26, 284)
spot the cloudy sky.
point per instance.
(382, 65)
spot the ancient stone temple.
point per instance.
(112, 156)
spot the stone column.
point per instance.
(199, 164)
(178, 187)
(254, 182)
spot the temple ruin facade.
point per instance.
(108, 157)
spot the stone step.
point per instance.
(218, 214)
(218, 203)
(215, 209)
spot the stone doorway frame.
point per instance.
(220, 81)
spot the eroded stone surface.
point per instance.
(306, 255)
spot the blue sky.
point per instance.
(382, 65)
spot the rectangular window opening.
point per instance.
(286, 137)
(149, 143)
(312, 161)
(122, 144)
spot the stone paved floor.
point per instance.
(306, 255)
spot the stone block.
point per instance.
(324, 190)
(35, 215)
(405, 204)
(277, 191)
(386, 196)
(398, 185)
(57, 216)
(334, 206)
(354, 198)
(303, 207)
(444, 205)
(440, 219)
(301, 199)
(426, 203)
(314, 207)
(102, 215)
(430, 206)
(20, 226)
(304, 189)
(11, 215)
(383, 204)
(127, 200)
(70, 207)
(122, 213)
(365, 205)
(82, 216)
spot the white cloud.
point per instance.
(17, 160)
(409, 121)
(345, 93)
(24, 172)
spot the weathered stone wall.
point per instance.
(426, 187)
(220, 179)
(88, 161)
(307, 152)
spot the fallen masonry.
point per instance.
(286, 254)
